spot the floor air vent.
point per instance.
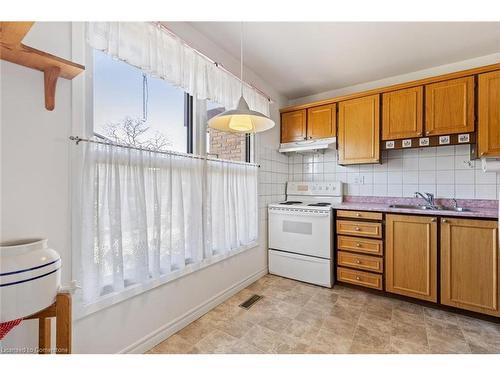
(251, 301)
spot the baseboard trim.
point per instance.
(154, 338)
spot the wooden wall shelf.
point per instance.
(53, 67)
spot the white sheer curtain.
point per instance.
(232, 206)
(152, 49)
(147, 216)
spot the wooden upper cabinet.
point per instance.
(449, 107)
(489, 114)
(359, 130)
(321, 121)
(470, 267)
(293, 126)
(411, 256)
(402, 113)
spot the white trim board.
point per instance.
(154, 338)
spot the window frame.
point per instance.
(82, 115)
(90, 97)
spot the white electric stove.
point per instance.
(301, 232)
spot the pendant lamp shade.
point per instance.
(241, 120)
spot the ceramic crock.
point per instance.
(30, 276)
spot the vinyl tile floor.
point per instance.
(295, 317)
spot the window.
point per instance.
(229, 146)
(139, 110)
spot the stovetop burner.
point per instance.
(320, 204)
(287, 203)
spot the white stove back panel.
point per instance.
(323, 188)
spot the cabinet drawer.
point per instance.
(367, 279)
(360, 214)
(362, 262)
(360, 245)
(359, 228)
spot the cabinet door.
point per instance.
(402, 113)
(321, 121)
(359, 130)
(411, 256)
(489, 114)
(469, 265)
(293, 126)
(449, 107)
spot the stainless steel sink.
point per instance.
(457, 209)
(421, 207)
(410, 206)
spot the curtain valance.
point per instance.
(150, 48)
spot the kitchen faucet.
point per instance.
(428, 198)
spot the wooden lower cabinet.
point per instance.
(411, 256)
(470, 270)
(367, 279)
(362, 262)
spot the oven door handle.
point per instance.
(297, 213)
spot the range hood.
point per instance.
(309, 145)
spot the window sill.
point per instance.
(81, 311)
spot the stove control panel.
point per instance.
(323, 188)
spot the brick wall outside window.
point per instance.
(229, 146)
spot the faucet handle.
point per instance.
(455, 203)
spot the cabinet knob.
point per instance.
(358, 245)
(357, 228)
(358, 214)
(419, 134)
(357, 278)
(433, 220)
(358, 261)
(445, 221)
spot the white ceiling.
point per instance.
(304, 58)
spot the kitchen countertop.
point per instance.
(487, 209)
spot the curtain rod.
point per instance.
(77, 140)
(219, 65)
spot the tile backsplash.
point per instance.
(445, 171)
(273, 175)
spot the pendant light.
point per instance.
(242, 119)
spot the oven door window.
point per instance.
(299, 227)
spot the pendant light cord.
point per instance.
(241, 57)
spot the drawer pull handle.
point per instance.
(358, 261)
(357, 278)
(358, 245)
(356, 228)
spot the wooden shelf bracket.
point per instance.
(53, 67)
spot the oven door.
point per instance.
(301, 231)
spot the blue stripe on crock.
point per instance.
(29, 269)
(31, 279)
